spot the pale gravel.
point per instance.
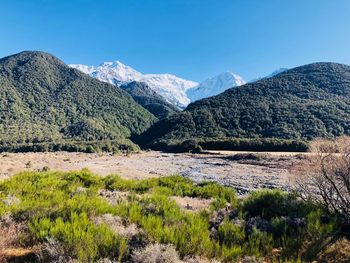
(270, 172)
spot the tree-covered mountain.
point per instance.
(301, 103)
(149, 99)
(42, 100)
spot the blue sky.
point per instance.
(194, 39)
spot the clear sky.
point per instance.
(194, 39)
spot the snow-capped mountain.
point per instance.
(215, 85)
(171, 87)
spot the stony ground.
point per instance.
(245, 172)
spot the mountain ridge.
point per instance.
(45, 101)
(149, 99)
(301, 103)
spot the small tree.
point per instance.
(324, 176)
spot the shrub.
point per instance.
(273, 203)
(230, 235)
(114, 182)
(62, 209)
(324, 176)
(79, 236)
(259, 243)
(231, 254)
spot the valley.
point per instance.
(223, 136)
(243, 171)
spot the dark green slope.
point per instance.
(301, 103)
(149, 99)
(44, 100)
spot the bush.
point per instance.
(231, 254)
(114, 182)
(79, 236)
(230, 235)
(62, 209)
(259, 243)
(274, 203)
(324, 176)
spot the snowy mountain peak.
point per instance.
(112, 64)
(171, 87)
(215, 85)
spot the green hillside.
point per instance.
(45, 102)
(149, 99)
(302, 103)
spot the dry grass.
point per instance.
(117, 225)
(191, 204)
(13, 235)
(156, 253)
(10, 232)
(114, 197)
(339, 252)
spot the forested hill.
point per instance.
(44, 100)
(149, 99)
(302, 103)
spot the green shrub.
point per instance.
(59, 206)
(231, 254)
(80, 237)
(274, 203)
(259, 243)
(3, 209)
(218, 203)
(114, 182)
(318, 230)
(172, 185)
(230, 235)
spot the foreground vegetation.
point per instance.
(76, 215)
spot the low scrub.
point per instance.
(61, 212)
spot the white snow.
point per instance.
(171, 87)
(215, 85)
